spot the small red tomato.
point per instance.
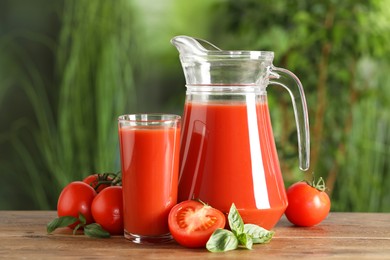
(76, 198)
(107, 209)
(191, 223)
(98, 181)
(308, 204)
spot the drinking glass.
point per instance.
(149, 151)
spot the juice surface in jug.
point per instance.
(229, 156)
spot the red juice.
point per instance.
(149, 177)
(228, 155)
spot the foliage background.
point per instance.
(69, 68)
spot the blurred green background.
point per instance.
(69, 68)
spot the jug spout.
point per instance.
(187, 45)
(205, 64)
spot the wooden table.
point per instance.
(341, 235)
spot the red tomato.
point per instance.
(191, 223)
(107, 209)
(308, 204)
(98, 181)
(76, 198)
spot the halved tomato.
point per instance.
(191, 223)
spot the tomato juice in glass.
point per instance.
(149, 149)
(228, 155)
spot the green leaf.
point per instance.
(79, 225)
(222, 240)
(246, 235)
(82, 219)
(259, 235)
(95, 230)
(245, 240)
(235, 221)
(60, 222)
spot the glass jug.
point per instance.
(228, 153)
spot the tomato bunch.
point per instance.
(94, 204)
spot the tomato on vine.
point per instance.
(98, 198)
(308, 203)
(75, 199)
(107, 209)
(100, 181)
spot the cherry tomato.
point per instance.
(107, 209)
(191, 223)
(308, 204)
(76, 198)
(98, 181)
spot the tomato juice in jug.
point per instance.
(230, 157)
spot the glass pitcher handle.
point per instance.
(292, 84)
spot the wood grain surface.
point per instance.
(341, 235)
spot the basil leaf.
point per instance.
(95, 230)
(246, 235)
(235, 221)
(259, 235)
(222, 240)
(245, 240)
(60, 222)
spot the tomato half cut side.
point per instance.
(191, 223)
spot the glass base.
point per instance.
(140, 239)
